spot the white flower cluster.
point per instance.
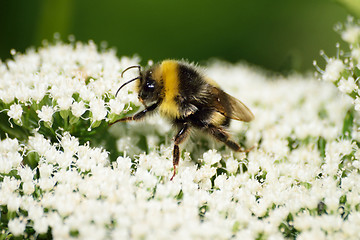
(68, 78)
(299, 181)
(344, 69)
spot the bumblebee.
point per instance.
(189, 99)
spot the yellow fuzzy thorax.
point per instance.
(170, 76)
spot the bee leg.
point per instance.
(139, 115)
(221, 135)
(179, 138)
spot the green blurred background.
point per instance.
(279, 35)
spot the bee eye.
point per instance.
(149, 86)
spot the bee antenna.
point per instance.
(126, 84)
(139, 67)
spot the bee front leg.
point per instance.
(139, 115)
(179, 138)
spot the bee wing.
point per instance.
(231, 107)
(239, 110)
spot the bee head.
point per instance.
(147, 87)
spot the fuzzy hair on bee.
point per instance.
(180, 92)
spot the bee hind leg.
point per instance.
(221, 135)
(179, 138)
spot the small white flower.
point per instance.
(152, 141)
(7, 96)
(15, 111)
(347, 86)
(124, 144)
(39, 91)
(17, 226)
(61, 230)
(205, 184)
(45, 114)
(86, 93)
(5, 165)
(46, 184)
(88, 231)
(356, 164)
(26, 174)
(124, 164)
(64, 160)
(146, 178)
(357, 103)
(41, 225)
(78, 108)
(220, 181)
(253, 167)
(351, 34)
(98, 87)
(65, 102)
(116, 106)
(39, 144)
(69, 143)
(98, 109)
(28, 187)
(9, 145)
(45, 170)
(9, 185)
(14, 159)
(355, 53)
(232, 165)
(13, 203)
(27, 201)
(333, 70)
(211, 157)
(346, 146)
(205, 172)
